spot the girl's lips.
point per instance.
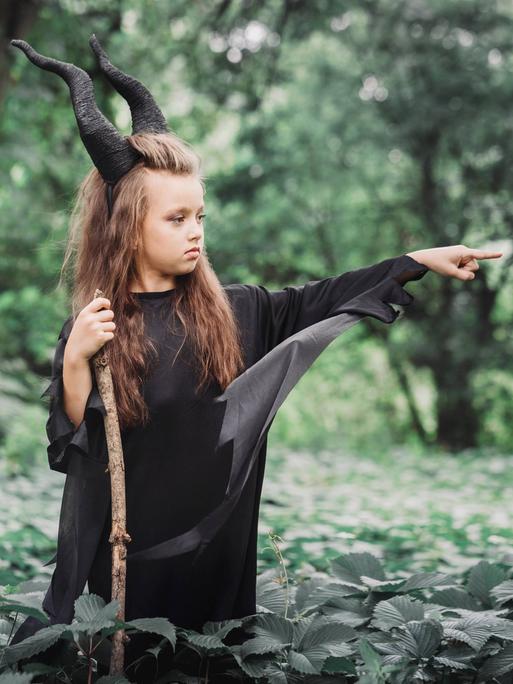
(192, 252)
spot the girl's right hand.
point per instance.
(93, 327)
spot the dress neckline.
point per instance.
(154, 295)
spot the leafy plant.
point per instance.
(354, 625)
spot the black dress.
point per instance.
(194, 475)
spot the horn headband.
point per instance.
(110, 152)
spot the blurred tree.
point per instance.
(334, 134)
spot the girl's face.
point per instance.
(173, 225)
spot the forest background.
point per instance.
(334, 134)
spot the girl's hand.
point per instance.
(93, 327)
(456, 261)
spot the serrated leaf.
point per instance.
(274, 675)
(383, 586)
(22, 609)
(260, 645)
(330, 633)
(454, 664)
(305, 588)
(425, 580)
(371, 659)
(351, 566)
(300, 663)
(331, 593)
(222, 628)
(40, 641)
(253, 666)
(87, 606)
(300, 628)
(497, 665)
(455, 598)
(396, 611)
(459, 635)
(207, 643)
(349, 611)
(273, 626)
(40, 668)
(15, 678)
(105, 617)
(156, 625)
(503, 592)
(428, 635)
(482, 578)
(276, 596)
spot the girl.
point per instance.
(199, 371)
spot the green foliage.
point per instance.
(414, 628)
(333, 135)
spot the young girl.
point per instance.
(199, 371)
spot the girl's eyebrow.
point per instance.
(186, 209)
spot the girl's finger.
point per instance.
(471, 265)
(461, 274)
(481, 254)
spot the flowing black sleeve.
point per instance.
(70, 444)
(295, 307)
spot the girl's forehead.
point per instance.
(170, 190)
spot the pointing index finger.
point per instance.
(482, 254)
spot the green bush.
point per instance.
(352, 625)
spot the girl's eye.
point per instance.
(182, 218)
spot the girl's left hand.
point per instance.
(455, 261)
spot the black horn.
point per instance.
(146, 115)
(112, 154)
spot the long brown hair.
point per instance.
(101, 253)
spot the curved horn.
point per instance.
(112, 155)
(146, 115)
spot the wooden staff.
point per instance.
(118, 534)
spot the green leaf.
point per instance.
(482, 578)
(262, 644)
(101, 619)
(322, 632)
(112, 679)
(385, 586)
(425, 580)
(455, 598)
(40, 641)
(323, 639)
(221, 628)
(274, 626)
(396, 611)
(15, 678)
(331, 593)
(156, 625)
(40, 668)
(349, 611)
(497, 665)
(372, 660)
(301, 663)
(351, 566)
(274, 675)
(503, 592)
(88, 606)
(8, 608)
(454, 664)
(428, 635)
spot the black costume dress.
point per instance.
(194, 475)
